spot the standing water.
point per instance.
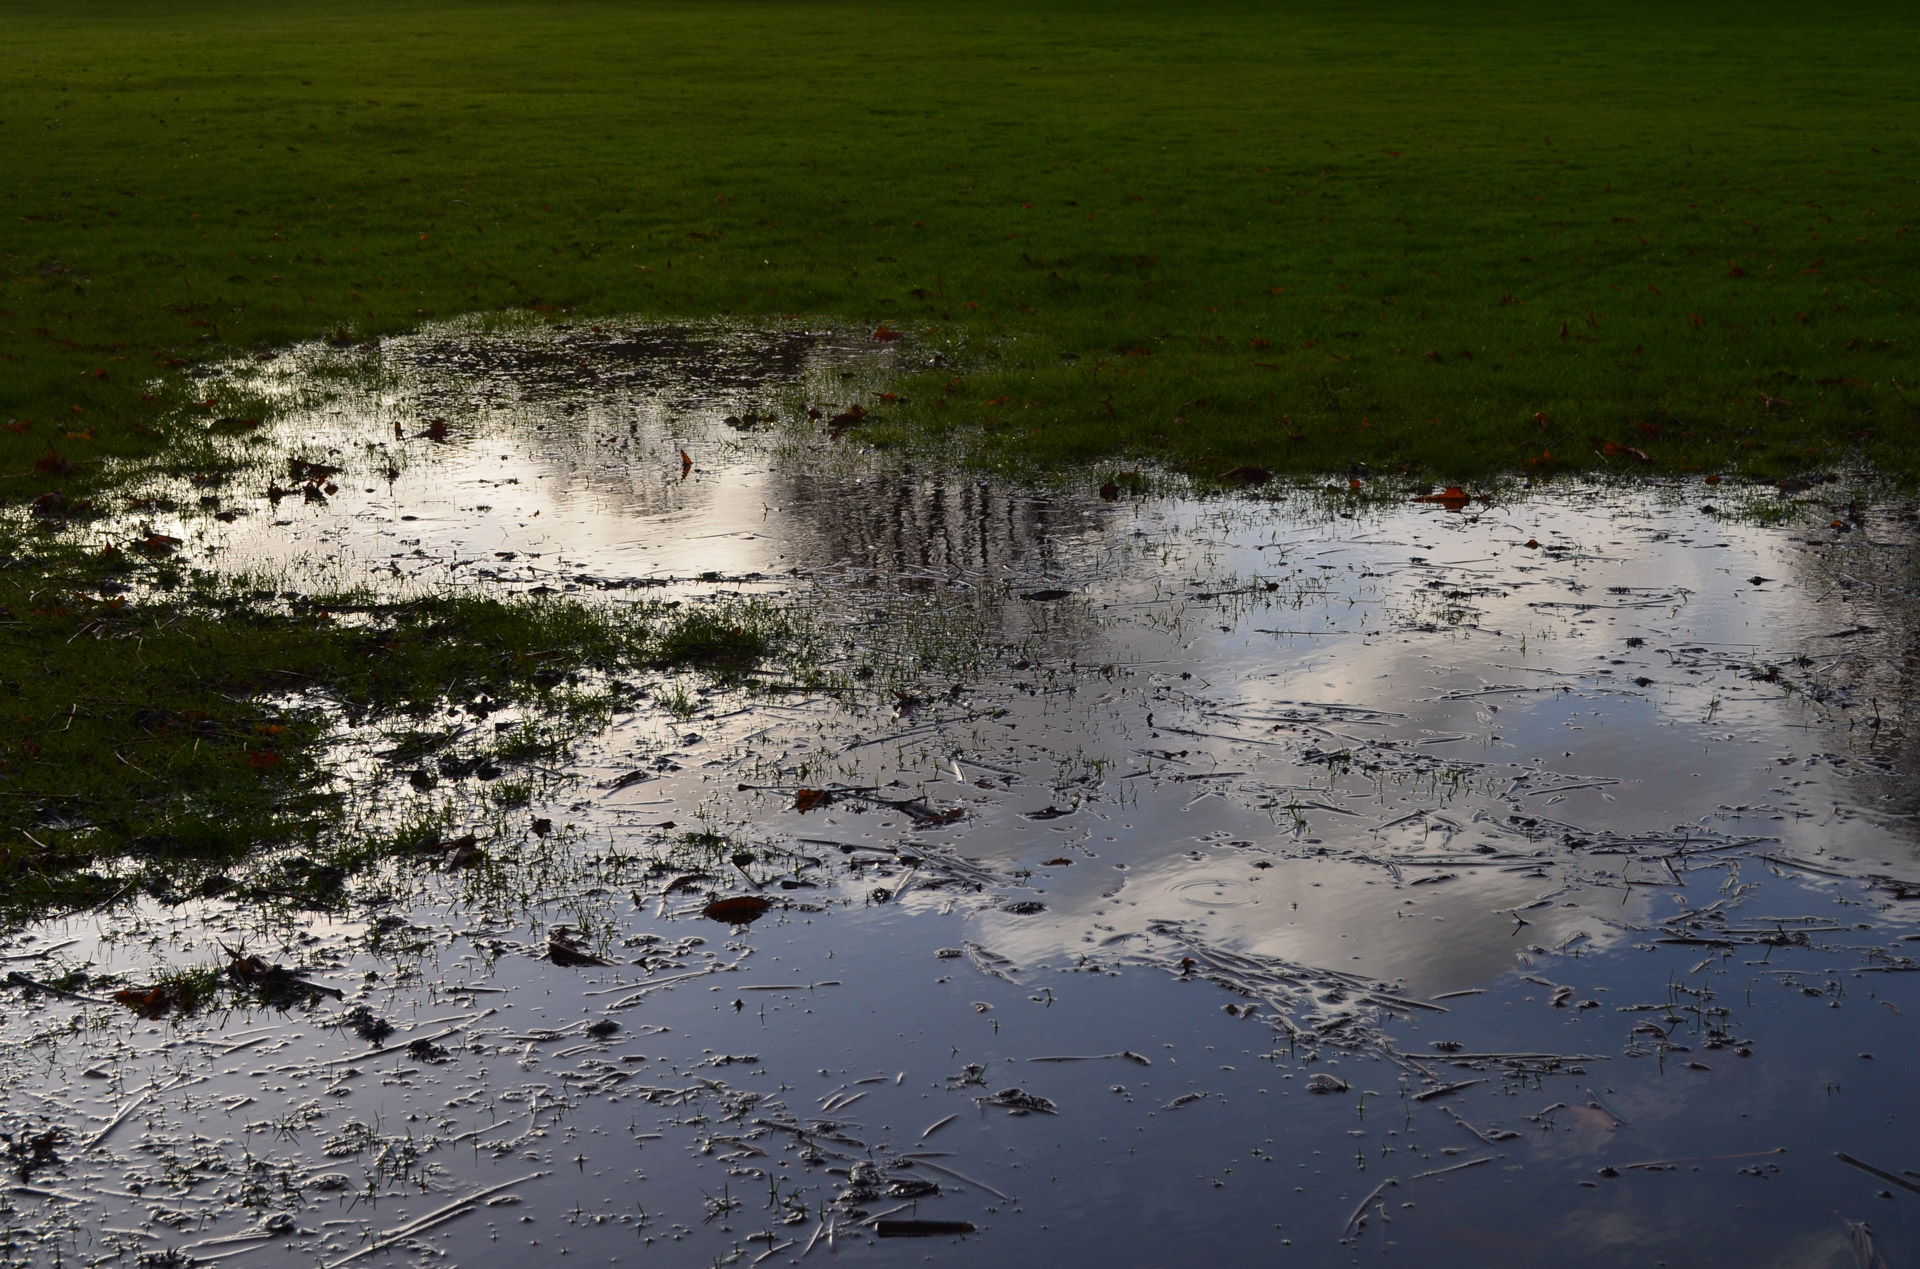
(1291, 876)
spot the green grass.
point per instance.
(1295, 234)
(155, 742)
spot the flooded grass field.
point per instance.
(1118, 872)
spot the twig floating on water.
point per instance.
(133, 1105)
(1128, 1054)
(1750, 1154)
(921, 1229)
(963, 1178)
(435, 1217)
(1458, 1167)
(1360, 1212)
(1882, 1173)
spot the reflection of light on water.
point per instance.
(1215, 893)
(1401, 748)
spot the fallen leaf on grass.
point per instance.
(1453, 497)
(1613, 450)
(152, 1003)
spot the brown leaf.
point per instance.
(740, 910)
(151, 1003)
(811, 799)
(561, 950)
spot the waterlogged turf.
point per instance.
(1294, 235)
(739, 633)
(1306, 874)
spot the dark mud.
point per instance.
(1306, 875)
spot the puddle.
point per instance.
(1282, 875)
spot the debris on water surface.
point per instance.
(1248, 475)
(27, 1151)
(366, 1024)
(739, 910)
(276, 985)
(1020, 1102)
(896, 1227)
(1441, 805)
(564, 948)
(1453, 498)
(460, 852)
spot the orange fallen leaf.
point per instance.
(811, 799)
(1533, 544)
(1453, 497)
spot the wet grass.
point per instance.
(1406, 235)
(165, 728)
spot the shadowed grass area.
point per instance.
(158, 740)
(1449, 237)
